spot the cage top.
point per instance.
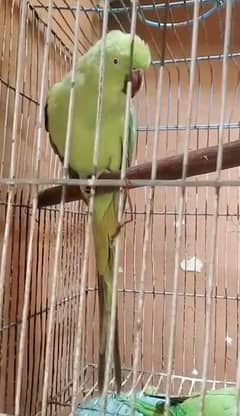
(151, 17)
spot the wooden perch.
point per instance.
(199, 162)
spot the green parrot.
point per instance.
(220, 402)
(124, 61)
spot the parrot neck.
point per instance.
(113, 100)
(87, 86)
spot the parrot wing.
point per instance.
(72, 173)
(220, 402)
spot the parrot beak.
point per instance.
(136, 77)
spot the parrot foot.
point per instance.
(127, 193)
(86, 190)
(123, 223)
(120, 226)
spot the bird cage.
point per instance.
(177, 273)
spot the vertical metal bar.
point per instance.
(100, 89)
(147, 229)
(182, 200)
(238, 334)
(33, 217)
(60, 220)
(120, 210)
(20, 68)
(211, 272)
(77, 354)
(149, 209)
(2, 62)
(237, 302)
(18, 150)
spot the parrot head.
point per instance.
(124, 61)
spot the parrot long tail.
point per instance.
(104, 227)
(104, 321)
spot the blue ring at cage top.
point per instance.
(216, 5)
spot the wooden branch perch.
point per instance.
(199, 162)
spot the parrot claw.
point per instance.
(123, 223)
(85, 190)
(120, 226)
(126, 190)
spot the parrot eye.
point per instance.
(116, 61)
